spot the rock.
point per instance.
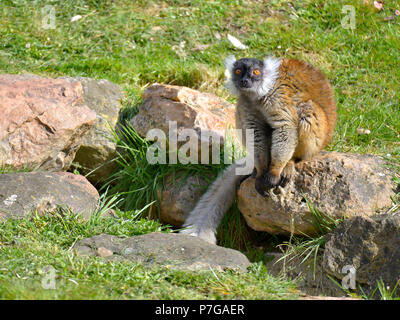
(191, 109)
(338, 184)
(173, 250)
(370, 244)
(49, 123)
(23, 193)
(43, 121)
(98, 149)
(179, 196)
(103, 252)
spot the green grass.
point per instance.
(29, 246)
(362, 64)
(10, 169)
(136, 43)
(308, 247)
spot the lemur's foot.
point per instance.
(287, 174)
(266, 182)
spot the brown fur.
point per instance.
(313, 99)
(301, 111)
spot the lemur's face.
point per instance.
(247, 74)
(251, 77)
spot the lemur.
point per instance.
(290, 106)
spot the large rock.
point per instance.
(370, 245)
(98, 149)
(179, 196)
(174, 250)
(42, 121)
(22, 194)
(338, 184)
(191, 109)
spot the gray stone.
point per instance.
(370, 244)
(173, 250)
(22, 194)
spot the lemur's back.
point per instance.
(308, 83)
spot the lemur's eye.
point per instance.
(256, 72)
(238, 71)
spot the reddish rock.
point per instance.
(191, 109)
(42, 121)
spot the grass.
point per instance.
(137, 43)
(10, 169)
(380, 292)
(137, 179)
(29, 247)
(308, 247)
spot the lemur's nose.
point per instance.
(244, 82)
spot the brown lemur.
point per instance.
(291, 108)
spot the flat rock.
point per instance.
(43, 121)
(174, 250)
(23, 193)
(337, 184)
(369, 244)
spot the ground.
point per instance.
(136, 43)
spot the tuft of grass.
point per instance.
(233, 231)
(385, 293)
(10, 169)
(136, 179)
(308, 247)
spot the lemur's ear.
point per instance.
(271, 73)
(271, 64)
(229, 62)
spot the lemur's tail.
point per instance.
(207, 214)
